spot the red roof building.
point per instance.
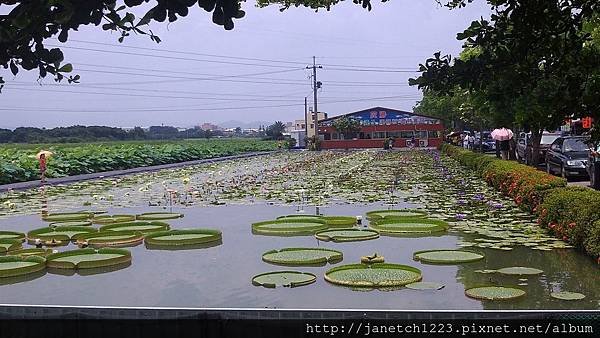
(379, 124)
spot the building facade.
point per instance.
(378, 125)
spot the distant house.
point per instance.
(378, 124)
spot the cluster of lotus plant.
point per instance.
(99, 247)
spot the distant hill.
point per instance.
(243, 125)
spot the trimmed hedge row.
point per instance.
(525, 185)
(570, 213)
(573, 214)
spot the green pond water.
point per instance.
(339, 183)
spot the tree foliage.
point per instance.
(347, 126)
(536, 65)
(28, 24)
(275, 131)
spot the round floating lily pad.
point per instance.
(347, 235)
(158, 216)
(183, 237)
(283, 278)
(289, 227)
(494, 293)
(447, 256)
(110, 238)
(12, 266)
(10, 245)
(566, 295)
(109, 219)
(425, 286)
(302, 256)
(31, 252)
(71, 224)
(519, 270)
(12, 235)
(62, 233)
(401, 226)
(340, 221)
(300, 216)
(145, 227)
(68, 216)
(397, 214)
(373, 275)
(372, 259)
(88, 258)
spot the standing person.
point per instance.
(42, 160)
(413, 141)
(504, 148)
(471, 142)
(465, 141)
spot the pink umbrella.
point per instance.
(502, 134)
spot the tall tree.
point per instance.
(347, 126)
(533, 66)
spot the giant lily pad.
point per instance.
(447, 256)
(347, 235)
(67, 216)
(110, 238)
(183, 237)
(289, 227)
(373, 275)
(494, 293)
(519, 270)
(302, 256)
(300, 216)
(71, 224)
(283, 278)
(109, 219)
(61, 234)
(566, 295)
(12, 235)
(31, 252)
(158, 216)
(340, 221)
(399, 226)
(12, 266)
(144, 227)
(395, 214)
(425, 286)
(10, 245)
(88, 258)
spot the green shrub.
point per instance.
(573, 214)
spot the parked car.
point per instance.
(524, 151)
(568, 157)
(488, 143)
(593, 168)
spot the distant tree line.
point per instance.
(76, 134)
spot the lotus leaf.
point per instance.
(88, 258)
(494, 293)
(183, 237)
(566, 295)
(373, 275)
(347, 235)
(283, 278)
(11, 266)
(447, 256)
(158, 216)
(302, 256)
(519, 270)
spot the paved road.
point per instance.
(99, 175)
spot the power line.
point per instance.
(399, 98)
(171, 57)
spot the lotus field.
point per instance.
(19, 163)
(290, 229)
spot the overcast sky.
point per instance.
(365, 58)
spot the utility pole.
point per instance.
(316, 86)
(305, 119)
